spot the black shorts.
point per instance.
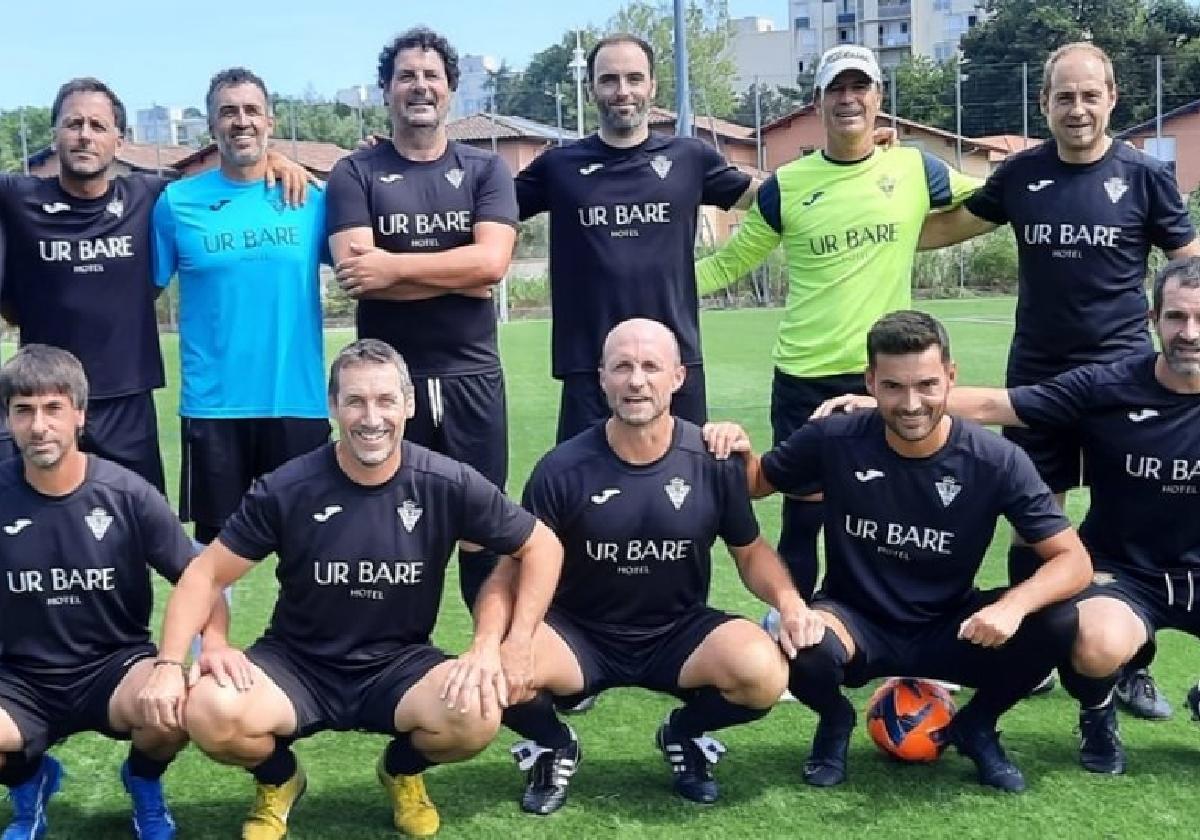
(933, 650)
(1057, 454)
(582, 403)
(464, 418)
(222, 458)
(643, 657)
(46, 709)
(125, 430)
(794, 398)
(345, 696)
(1170, 601)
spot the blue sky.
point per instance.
(155, 52)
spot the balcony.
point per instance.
(892, 11)
(845, 18)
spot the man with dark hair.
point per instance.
(78, 276)
(363, 529)
(251, 350)
(638, 504)
(421, 228)
(1086, 212)
(623, 207)
(848, 219)
(79, 534)
(912, 497)
(1138, 420)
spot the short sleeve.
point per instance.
(542, 499)
(724, 183)
(165, 252)
(495, 196)
(346, 201)
(1168, 223)
(1028, 503)
(256, 529)
(947, 186)
(1058, 402)
(530, 187)
(490, 518)
(988, 202)
(739, 526)
(794, 466)
(167, 547)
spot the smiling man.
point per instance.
(848, 218)
(251, 353)
(912, 497)
(421, 229)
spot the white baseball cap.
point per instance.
(846, 57)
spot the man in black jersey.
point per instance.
(911, 501)
(638, 503)
(77, 535)
(421, 228)
(1138, 420)
(1085, 211)
(623, 206)
(78, 273)
(363, 529)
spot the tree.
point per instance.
(37, 135)
(773, 103)
(924, 92)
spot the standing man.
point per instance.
(623, 205)
(638, 503)
(421, 228)
(912, 497)
(363, 529)
(78, 273)
(849, 219)
(1138, 420)
(1085, 211)
(79, 537)
(251, 349)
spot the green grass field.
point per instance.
(622, 788)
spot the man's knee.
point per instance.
(1109, 635)
(758, 674)
(214, 715)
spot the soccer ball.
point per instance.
(906, 718)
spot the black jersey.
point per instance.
(1084, 233)
(76, 582)
(78, 276)
(361, 568)
(623, 237)
(425, 207)
(637, 538)
(904, 537)
(1141, 443)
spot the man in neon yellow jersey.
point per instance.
(849, 219)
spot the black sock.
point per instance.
(799, 531)
(816, 674)
(708, 711)
(1023, 563)
(279, 766)
(1091, 692)
(18, 769)
(474, 567)
(145, 767)
(537, 721)
(403, 759)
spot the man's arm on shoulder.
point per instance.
(949, 227)
(1192, 249)
(983, 405)
(754, 239)
(746, 200)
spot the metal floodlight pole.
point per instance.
(1158, 112)
(24, 140)
(1025, 100)
(758, 146)
(578, 67)
(683, 93)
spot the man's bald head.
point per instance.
(642, 330)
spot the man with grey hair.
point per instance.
(79, 537)
(251, 348)
(363, 529)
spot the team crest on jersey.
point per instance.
(98, 522)
(1104, 578)
(1115, 188)
(116, 207)
(661, 165)
(455, 177)
(948, 489)
(410, 515)
(887, 185)
(677, 490)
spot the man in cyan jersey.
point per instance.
(421, 228)
(912, 498)
(78, 273)
(1085, 211)
(638, 503)
(623, 207)
(250, 345)
(363, 529)
(1138, 421)
(848, 218)
(79, 536)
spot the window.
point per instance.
(801, 23)
(800, 67)
(844, 36)
(881, 32)
(904, 28)
(972, 20)
(941, 5)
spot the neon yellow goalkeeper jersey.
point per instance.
(849, 231)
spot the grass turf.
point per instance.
(622, 788)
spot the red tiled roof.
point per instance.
(314, 156)
(150, 157)
(724, 128)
